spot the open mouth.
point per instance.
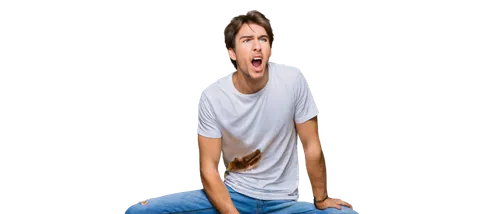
(256, 62)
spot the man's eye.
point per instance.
(246, 40)
(263, 40)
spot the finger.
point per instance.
(252, 155)
(338, 207)
(236, 165)
(346, 203)
(254, 162)
(351, 205)
(240, 164)
(334, 204)
(340, 200)
(255, 159)
(251, 167)
(343, 203)
(236, 169)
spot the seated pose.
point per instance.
(253, 116)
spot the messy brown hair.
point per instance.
(234, 26)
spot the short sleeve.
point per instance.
(207, 124)
(305, 107)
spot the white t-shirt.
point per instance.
(264, 120)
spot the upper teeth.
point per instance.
(257, 58)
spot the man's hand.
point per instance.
(248, 162)
(332, 202)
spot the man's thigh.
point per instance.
(190, 202)
(296, 207)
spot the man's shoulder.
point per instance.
(216, 87)
(286, 72)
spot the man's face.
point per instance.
(252, 50)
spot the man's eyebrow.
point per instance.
(247, 37)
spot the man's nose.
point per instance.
(257, 47)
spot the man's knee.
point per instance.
(344, 210)
(347, 210)
(137, 208)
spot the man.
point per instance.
(253, 117)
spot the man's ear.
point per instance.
(232, 54)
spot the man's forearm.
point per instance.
(316, 169)
(217, 192)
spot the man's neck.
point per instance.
(246, 85)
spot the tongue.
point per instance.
(256, 63)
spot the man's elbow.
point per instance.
(208, 172)
(312, 150)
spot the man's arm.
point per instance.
(210, 150)
(315, 164)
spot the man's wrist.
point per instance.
(318, 203)
(316, 199)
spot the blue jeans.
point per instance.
(197, 202)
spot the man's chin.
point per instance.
(257, 75)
